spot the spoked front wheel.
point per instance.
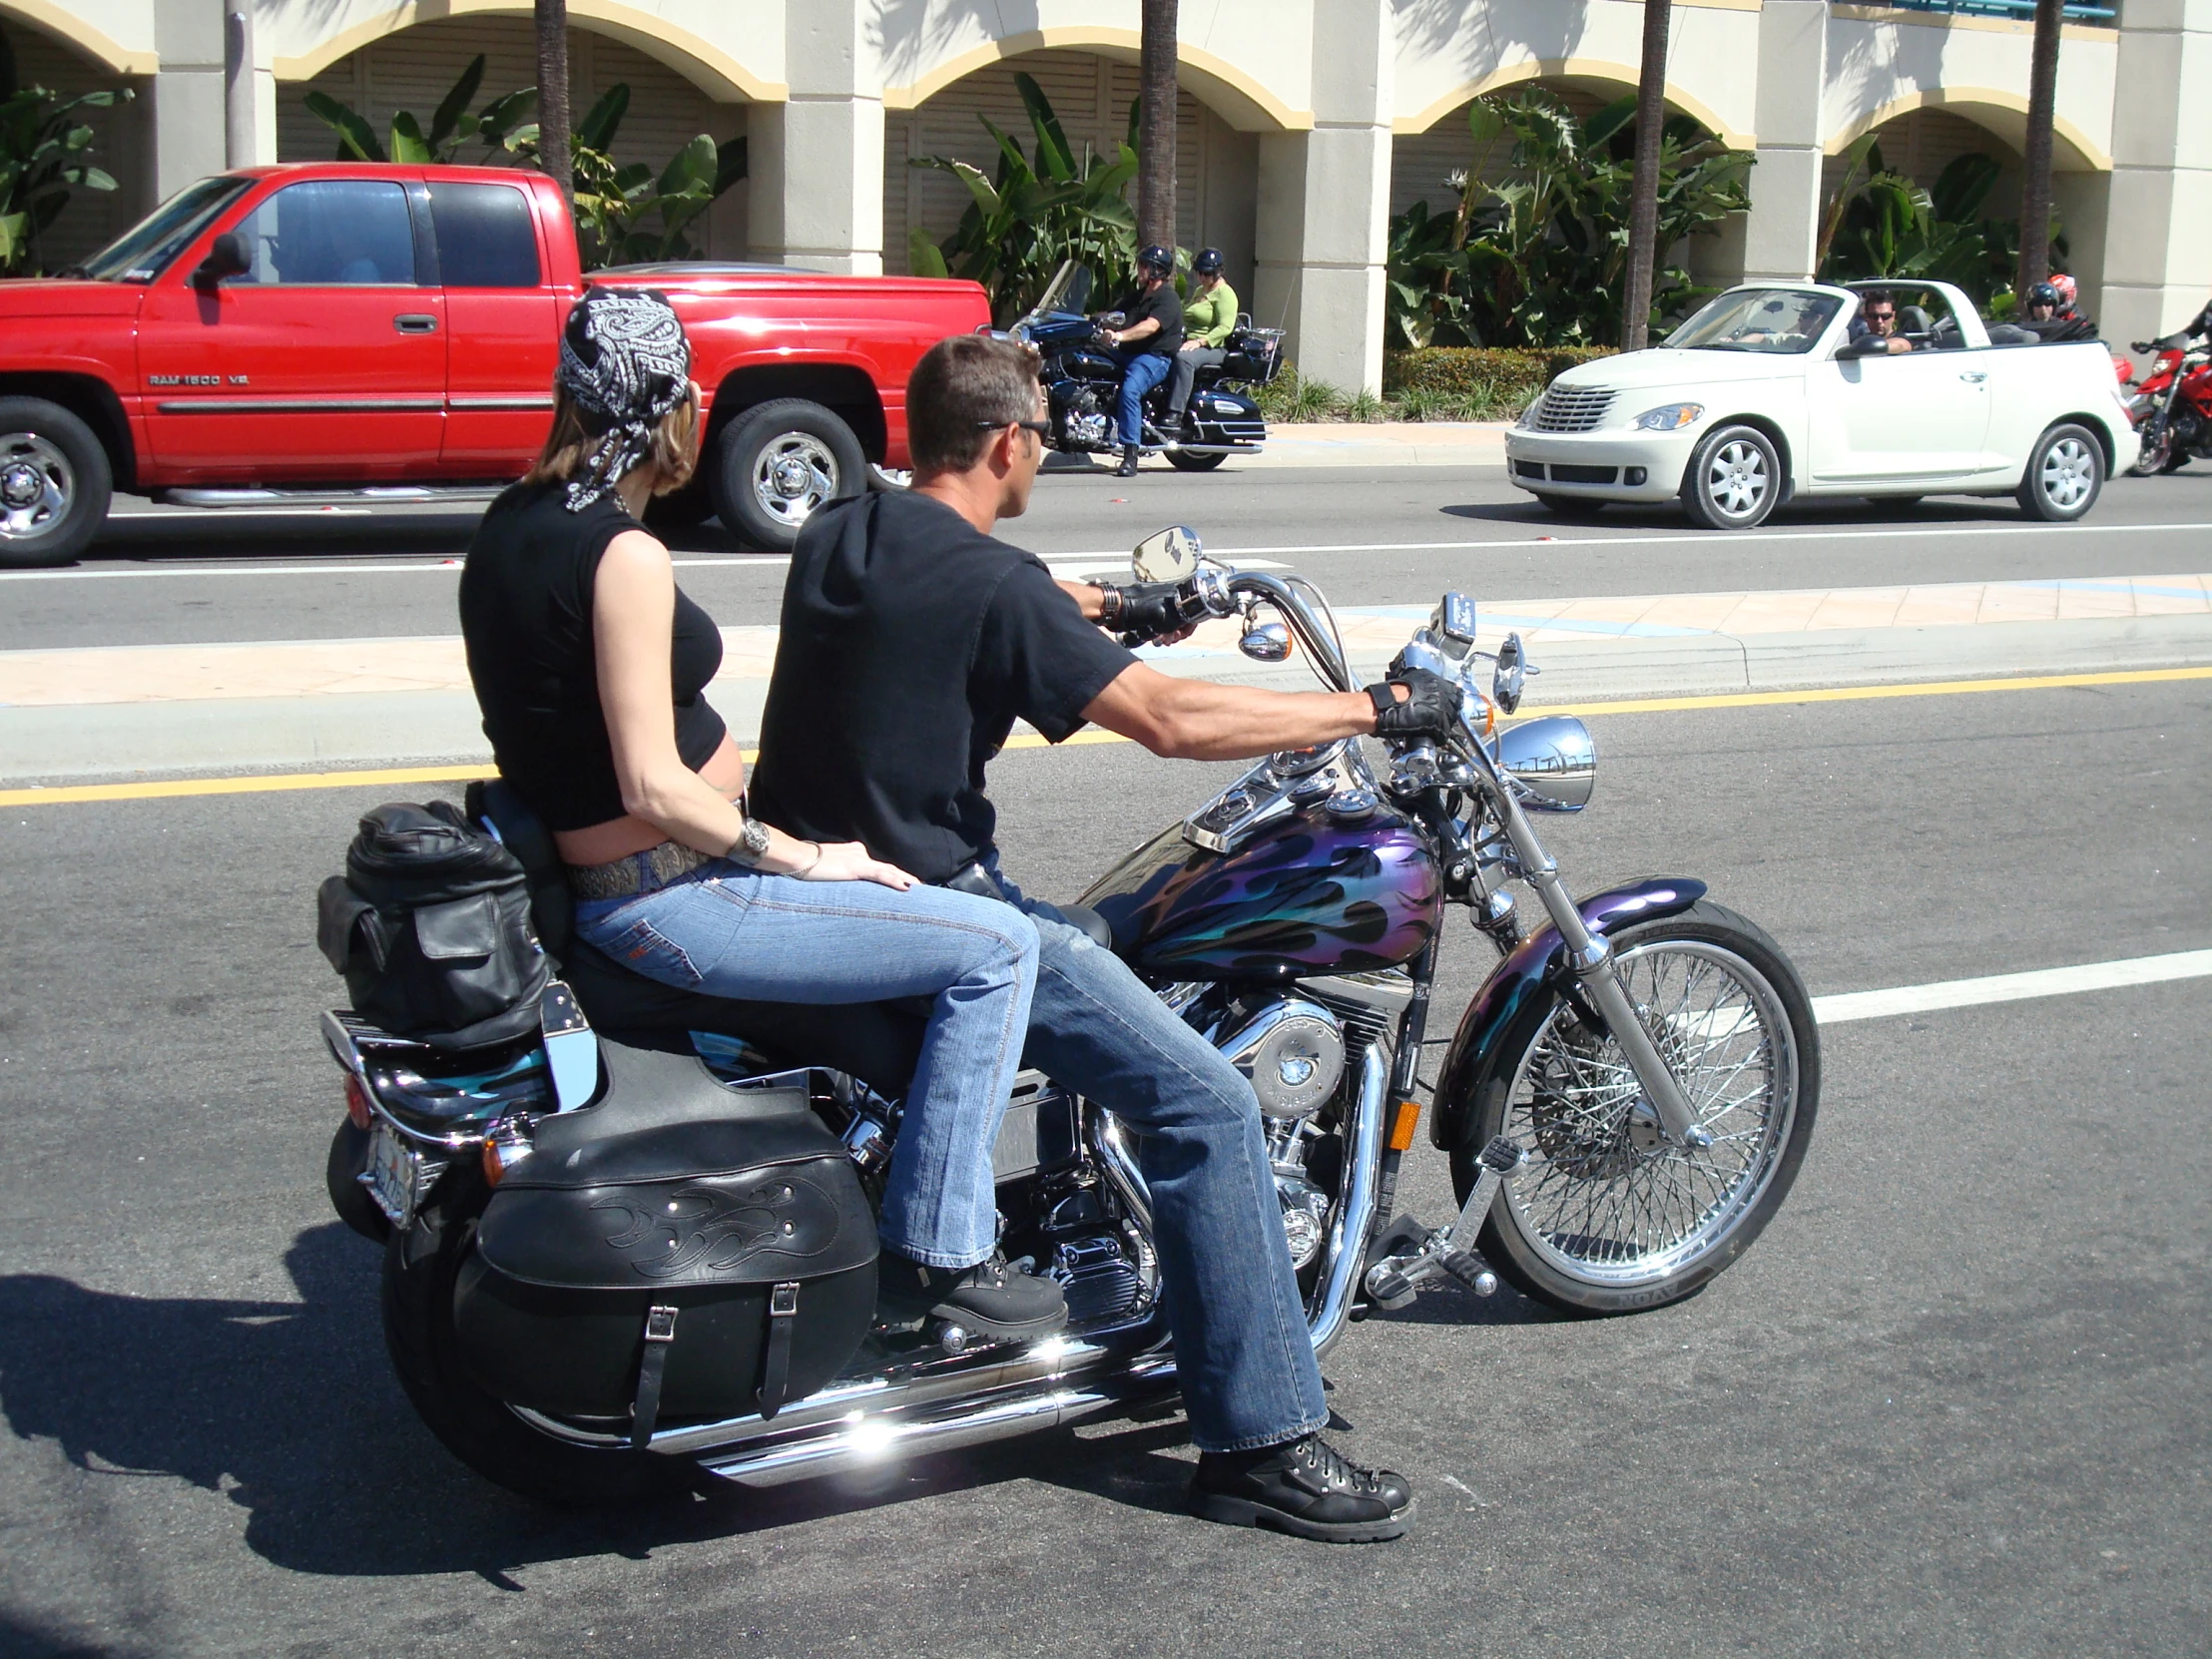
(1610, 1217)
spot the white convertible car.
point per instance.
(1763, 395)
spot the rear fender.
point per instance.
(1536, 967)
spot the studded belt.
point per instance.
(638, 872)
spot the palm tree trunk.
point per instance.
(553, 157)
(2042, 96)
(1156, 127)
(1643, 196)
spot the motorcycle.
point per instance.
(1082, 379)
(635, 1252)
(2172, 409)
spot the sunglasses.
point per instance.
(1882, 316)
(1043, 428)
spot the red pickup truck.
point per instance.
(344, 327)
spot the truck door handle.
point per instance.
(415, 323)
(1973, 374)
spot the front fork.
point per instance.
(1590, 956)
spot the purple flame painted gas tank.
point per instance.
(1304, 895)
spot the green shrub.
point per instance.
(1487, 382)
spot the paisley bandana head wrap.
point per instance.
(624, 364)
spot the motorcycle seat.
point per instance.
(878, 1042)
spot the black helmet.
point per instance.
(1208, 263)
(1157, 258)
(2042, 294)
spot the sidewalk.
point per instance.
(167, 709)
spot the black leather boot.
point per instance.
(1303, 1487)
(985, 1300)
(1128, 469)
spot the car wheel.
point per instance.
(1733, 480)
(55, 484)
(1572, 506)
(778, 464)
(2064, 473)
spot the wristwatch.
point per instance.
(750, 847)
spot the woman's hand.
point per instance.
(849, 861)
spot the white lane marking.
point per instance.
(1071, 563)
(2010, 988)
(1728, 538)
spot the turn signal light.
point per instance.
(508, 1145)
(356, 1102)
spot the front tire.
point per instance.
(778, 464)
(1733, 480)
(1183, 462)
(2065, 472)
(55, 484)
(420, 1266)
(1611, 1218)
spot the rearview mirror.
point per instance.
(1511, 676)
(1870, 346)
(225, 258)
(1168, 555)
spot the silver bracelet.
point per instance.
(808, 869)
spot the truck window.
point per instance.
(143, 252)
(332, 233)
(488, 237)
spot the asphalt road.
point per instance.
(1955, 1401)
(1368, 536)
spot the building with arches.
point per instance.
(1304, 123)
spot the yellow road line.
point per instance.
(175, 788)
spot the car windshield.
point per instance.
(143, 251)
(1758, 319)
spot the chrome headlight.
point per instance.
(1669, 417)
(1551, 762)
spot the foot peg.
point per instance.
(1396, 1278)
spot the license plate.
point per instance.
(395, 1169)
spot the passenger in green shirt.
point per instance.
(1209, 319)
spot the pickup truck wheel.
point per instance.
(780, 462)
(1734, 479)
(55, 484)
(2064, 473)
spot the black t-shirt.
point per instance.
(911, 643)
(1162, 306)
(526, 617)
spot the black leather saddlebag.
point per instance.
(702, 1269)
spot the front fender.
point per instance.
(1535, 966)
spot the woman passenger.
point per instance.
(588, 664)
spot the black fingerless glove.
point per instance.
(1430, 709)
(1142, 611)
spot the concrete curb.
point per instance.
(106, 741)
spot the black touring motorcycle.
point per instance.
(627, 1231)
(1082, 383)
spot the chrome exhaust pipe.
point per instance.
(1347, 1234)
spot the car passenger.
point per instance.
(1878, 320)
(588, 664)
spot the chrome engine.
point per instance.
(1085, 422)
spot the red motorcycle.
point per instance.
(2172, 407)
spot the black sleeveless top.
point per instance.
(526, 616)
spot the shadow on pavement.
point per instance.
(289, 1408)
(216, 535)
(1664, 516)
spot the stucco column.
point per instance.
(187, 125)
(1322, 225)
(2158, 227)
(1784, 223)
(815, 163)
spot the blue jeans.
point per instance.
(1242, 1352)
(728, 930)
(1141, 370)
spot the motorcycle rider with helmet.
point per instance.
(2178, 341)
(1146, 345)
(2049, 317)
(911, 642)
(1209, 319)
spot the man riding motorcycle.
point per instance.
(1146, 345)
(911, 642)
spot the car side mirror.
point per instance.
(1871, 346)
(225, 258)
(1168, 555)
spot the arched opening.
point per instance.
(413, 67)
(1217, 164)
(92, 219)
